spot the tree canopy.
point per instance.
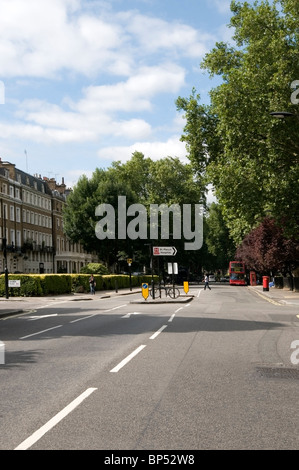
(250, 157)
(266, 249)
(142, 181)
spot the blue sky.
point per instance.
(89, 81)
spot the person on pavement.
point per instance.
(206, 282)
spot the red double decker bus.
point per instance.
(237, 273)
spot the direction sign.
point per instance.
(164, 251)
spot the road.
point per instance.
(219, 372)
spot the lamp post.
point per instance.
(151, 266)
(4, 247)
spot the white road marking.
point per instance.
(128, 358)
(158, 332)
(115, 308)
(84, 318)
(129, 314)
(94, 314)
(172, 317)
(37, 317)
(50, 424)
(40, 332)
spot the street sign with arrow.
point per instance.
(164, 250)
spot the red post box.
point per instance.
(265, 283)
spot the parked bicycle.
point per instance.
(170, 291)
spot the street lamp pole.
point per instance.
(151, 266)
(4, 247)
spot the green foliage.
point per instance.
(94, 268)
(55, 283)
(33, 285)
(142, 181)
(218, 238)
(250, 158)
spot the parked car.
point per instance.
(212, 278)
(224, 279)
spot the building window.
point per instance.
(12, 213)
(18, 214)
(18, 240)
(5, 211)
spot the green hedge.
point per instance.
(33, 285)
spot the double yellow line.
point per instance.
(267, 298)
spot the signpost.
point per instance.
(129, 261)
(145, 290)
(164, 250)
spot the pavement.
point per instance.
(277, 296)
(17, 305)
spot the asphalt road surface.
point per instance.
(219, 372)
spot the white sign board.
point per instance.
(14, 283)
(164, 251)
(172, 268)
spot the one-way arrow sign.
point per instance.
(164, 251)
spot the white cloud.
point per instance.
(155, 150)
(43, 38)
(155, 35)
(136, 93)
(96, 114)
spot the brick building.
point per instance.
(32, 225)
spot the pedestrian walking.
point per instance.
(207, 282)
(92, 284)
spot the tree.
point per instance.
(250, 158)
(144, 181)
(79, 213)
(265, 249)
(218, 239)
